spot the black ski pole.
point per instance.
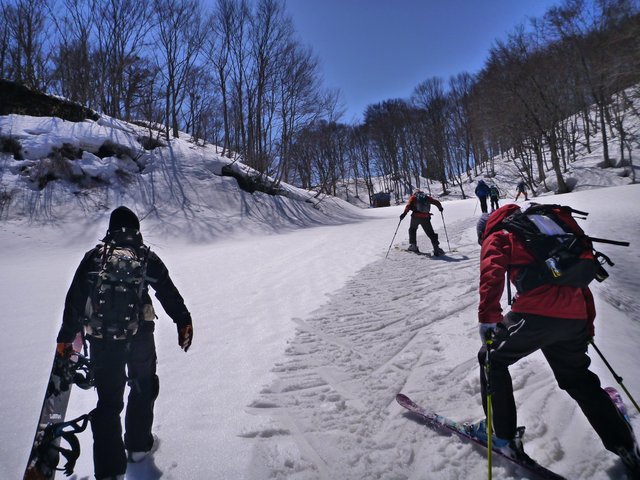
(394, 237)
(615, 375)
(445, 231)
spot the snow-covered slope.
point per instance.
(177, 182)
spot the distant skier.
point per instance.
(521, 189)
(122, 349)
(420, 205)
(494, 195)
(482, 192)
(558, 320)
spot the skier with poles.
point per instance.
(420, 205)
(109, 300)
(556, 319)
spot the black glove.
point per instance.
(441, 209)
(402, 215)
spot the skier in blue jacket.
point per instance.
(482, 192)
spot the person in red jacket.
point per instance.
(558, 320)
(420, 205)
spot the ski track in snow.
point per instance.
(332, 406)
(329, 388)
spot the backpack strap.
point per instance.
(144, 256)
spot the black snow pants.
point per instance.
(116, 363)
(564, 343)
(483, 204)
(425, 223)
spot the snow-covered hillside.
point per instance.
(505, 171)
(93, 166)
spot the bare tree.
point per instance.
(121, 29)
(180, 37)
(25, 42)
(299, 98)
(219, 33)
(5, 36)
(74, 70)
(461, 132)
(269, 39)
(431, 98)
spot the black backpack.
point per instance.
(422, 203)
(115, 299)
(564, 254)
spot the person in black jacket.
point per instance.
(126, 357)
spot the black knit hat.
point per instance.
(122, 217)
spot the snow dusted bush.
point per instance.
(110, 149)
(150, 143)
(11, 145)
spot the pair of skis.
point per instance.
(462, 430)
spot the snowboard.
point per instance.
(52, 427)
(463, 431)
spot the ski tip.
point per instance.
(403, 400)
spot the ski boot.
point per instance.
(138, 456)
(515, 449)
(413, 248)
(631, 460)
(510, 448)
(437, 251)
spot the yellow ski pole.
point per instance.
(487, 372)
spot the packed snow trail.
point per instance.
(390, 329)
(409, 324)
(326, 410)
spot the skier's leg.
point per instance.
(515, 338)
(413, 229)
(144, 388)
(503, 404)
(570, 364)
(108, 363)
(433, 236)
(483, 204)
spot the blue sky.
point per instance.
(375, 50)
